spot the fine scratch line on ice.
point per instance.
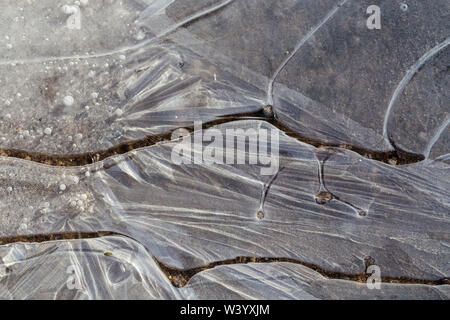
(265, 190)
(299, 45)
(194, 17)
(164, 33)
(436, 137)
(408, 76)
(444, 157)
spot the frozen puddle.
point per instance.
(95, 96)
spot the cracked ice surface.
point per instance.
(188, 216)
(136, 68)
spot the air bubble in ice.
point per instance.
(68, 101)
(140, 35)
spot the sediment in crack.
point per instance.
(395, 157)
(180, 277)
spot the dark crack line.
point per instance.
(266, 114)
(38, 238)
(180, 277)
(92, 157)
(395, 157)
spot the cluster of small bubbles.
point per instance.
(48, 131)
(94, 95)
(46, 205)
(79, 201)
(9, 189)
(75, 179)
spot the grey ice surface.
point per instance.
(136, 68)
(78, 269)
